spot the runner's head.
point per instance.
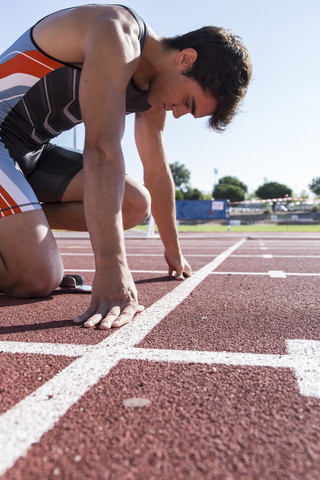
(222, 69)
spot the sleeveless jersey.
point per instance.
(39, 98)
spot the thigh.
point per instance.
(16, 195)
(54, 172)
(28, 251)
(134, 192)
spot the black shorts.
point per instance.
(54, 171)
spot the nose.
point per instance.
(179, 111)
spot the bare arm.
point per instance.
(149, 128)
(105, 75)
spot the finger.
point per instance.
(83, 317)
(187, 271)
(179, 274)
(93, 320)
(126, 316)
(110, 318)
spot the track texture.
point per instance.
(218, 379)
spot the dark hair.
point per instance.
(223, 68)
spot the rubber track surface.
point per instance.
(218, 379)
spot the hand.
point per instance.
(178, 264)
(114, 300)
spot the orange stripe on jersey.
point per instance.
(32, 62)
(6, 201)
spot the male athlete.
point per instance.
(95, 64)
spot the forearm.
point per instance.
(162, 193)
(103, 194)
(157, 175)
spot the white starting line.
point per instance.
(270, 273)
(26, 422)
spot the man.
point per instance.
(94, 64)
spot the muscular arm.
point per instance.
(149, 128)
(105, 75)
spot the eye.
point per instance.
(187, 103)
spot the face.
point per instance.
(174, 91)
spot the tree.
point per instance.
(179, 194)
(228, 180)
(190, 193)
(229, 192)
(273, 190)
(230, 188)
(315, 185)
(180, 174)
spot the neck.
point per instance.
(154, 59)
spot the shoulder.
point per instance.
(66, 34)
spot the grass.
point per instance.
(212, 227)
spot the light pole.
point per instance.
(215, 172)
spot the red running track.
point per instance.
(218, 379)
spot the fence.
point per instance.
(197, 210)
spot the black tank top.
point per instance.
(39, 97)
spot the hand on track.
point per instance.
(114, 301)
(179, 265)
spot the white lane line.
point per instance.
(61, 349)
(83, 270)
(239, 273)
(303, 357)
(277, 274)
(307, 371)
(303, 274)
(266, 255)
(75, 254)
(52, 400)
(268, 274)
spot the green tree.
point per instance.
(315, 185)
(228, 180)
(230, 188)
(190, 193)
(273, 190)
(180, 174)
(228, 192)
(179, 194)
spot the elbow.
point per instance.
(101, 152)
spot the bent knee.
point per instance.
(145, 205)
(41, 283)
(137, 209)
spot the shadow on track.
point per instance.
(165, 279)
(8, 330)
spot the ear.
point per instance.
(187, 57)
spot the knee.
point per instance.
(138, 208)
(145, 205)
(42, 281)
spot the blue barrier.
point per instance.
(202, 209)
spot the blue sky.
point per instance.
(277, 134)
